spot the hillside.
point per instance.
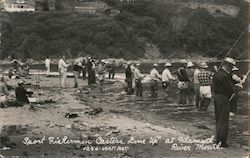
(150, 29)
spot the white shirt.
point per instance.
(62, 66)
(196, 72)
(137, 73)
(167, 76)
(47, 62)
(154, 74)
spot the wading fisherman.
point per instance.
(183, 82)
(47, 66)
(238, 81)
(101, 74)
(224, 87)
(62, 67)
(197, 86)
(129, 79)
(190, 72)
(138, 78)
(205, 78)
(154, 78)
(166, 78)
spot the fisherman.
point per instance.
(101, 74)
(197, 86)
(190, 72)
(111, 69)
(166, 78)
(62, 67)
(224, 88)
(89, 69)
(237, 81)
(21, 93)
(76, 69)
(84, 68)
(129, 79)
(205, 78)
(154, 78)
(138, 80)
(183, 82)
(3, 91)
(47, 66)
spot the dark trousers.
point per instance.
(221, 108)
(84, 72)
(183, 96)
(138, 86)
(129, 86)
(204, 104)
(111, 75)
(233, 103)
(154, 88)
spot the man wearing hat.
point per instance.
(101, 74)
(190, 72)
(138, 78)
(21, 93)
(183, 82)
(205, 79)
(224, 87)
(154, 78)
(129, 78)
(166, 78)
(62, 67)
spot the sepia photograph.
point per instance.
(124, 78)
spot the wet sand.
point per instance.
(123, 117)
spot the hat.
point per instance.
(20, 82)
(230, 60)
(168, 64)
(190, 64)
(183, 61)
(203, 65)
(155, 65)
(137, 64)
(235, 68)
(129, 63)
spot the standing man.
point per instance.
(138, 78)
(205, 79)
(111, 68)
(84, 68)
(190, 72)
(62, 67)
(129, 78)
(154, 78)
(101, 74)
(183, 82)
(166, 78)
(197, 87)
(223, 89)
(47, 66)
(76, 69)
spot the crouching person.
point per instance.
(21, 94)
(205, 79)
(3, 92)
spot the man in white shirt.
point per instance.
(197, 87)
(138, 78)
(166, 77)
(154, 78)
(47, 65)
(62, 67)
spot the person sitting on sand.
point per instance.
(21, 93)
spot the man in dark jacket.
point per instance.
(129, 79)
(223, 89)
(183, 82)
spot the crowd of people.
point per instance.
(195, 83)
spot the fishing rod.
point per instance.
(236, 41)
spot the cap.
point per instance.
(235, 68)
(230, 60)
(155, 65)
(203, 65)
(190, 64)
(168, 64)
